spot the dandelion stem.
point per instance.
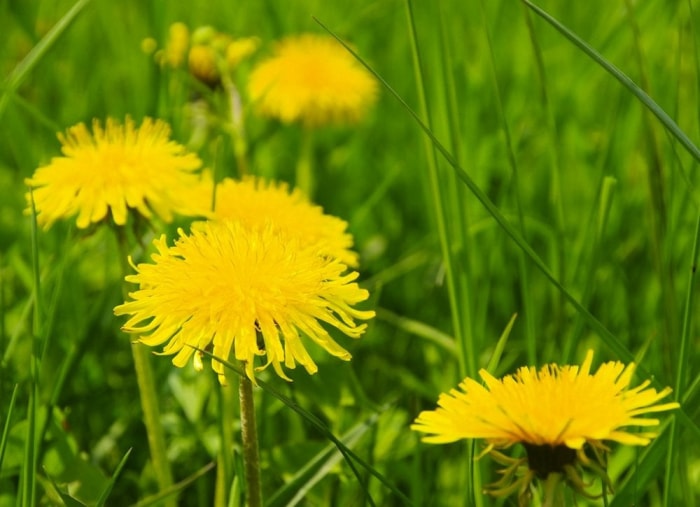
(148, 395)
(305, 180)
(249, 436)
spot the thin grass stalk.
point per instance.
(458, 203)
(249, 436)
(682, 366)
(31, 453)
(466, 354)
(605, 196)
(611, 69)
(658, 212)
(556, 192)
(147, 392)
(524, 282)
(350, 457)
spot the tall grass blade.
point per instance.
(105, 494)
(24, 67)
(317, 467)
(350, 457)
(682, 364)
(6, 428)
(628, 83)
(614, 343)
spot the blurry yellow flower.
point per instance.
(253, 201)
(240, 49)
(203, 64)
(114, 169)
(553, 412)
(312, 79)
(176, 47)
(252, 290)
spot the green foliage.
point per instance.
(550, 172)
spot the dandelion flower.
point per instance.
(312, 79)
(253, 291)
(254, 200)
(553, 413)
(115, 169)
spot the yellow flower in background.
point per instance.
(206, 51)
(312, 79)
(253, 201)
(253, 291)
(112, 170)
(176, 47)
(240, 49)
(553, 412)
(202, 63)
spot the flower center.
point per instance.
(546, 459)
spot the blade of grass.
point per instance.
(175, 488)
(350, 456)
(466, 357)
(420, 329)
(22, 70)
(523, 282)
(6, 429)
(628, 83)
(318, 467)
(500, 345)
(682, 365)
(105, 494)
(619, 348)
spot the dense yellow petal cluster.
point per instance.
(253, 201)
(312, 79)
(555, 406)
(114, 169)
(253, 290)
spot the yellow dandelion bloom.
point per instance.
(312, 79)
(251, 290)
(553, 412)
(254, 201)
(115, 169)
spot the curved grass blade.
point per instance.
(175, 488)
(611, 340)
(619, 348)
(350, 457)
(6, 429)
(105, 494)
(317, 468)
(625, 80)
(22, 69)
(683, 358)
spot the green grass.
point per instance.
(550, 170)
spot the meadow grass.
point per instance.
(525, 189)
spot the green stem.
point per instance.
(305, 180)
(149, 396)
(249, 436)
(553, 492)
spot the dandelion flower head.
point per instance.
(557, 405)
(312, 79)
(253, 291)
(115, 168)
(254, 200)
(553, 412)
